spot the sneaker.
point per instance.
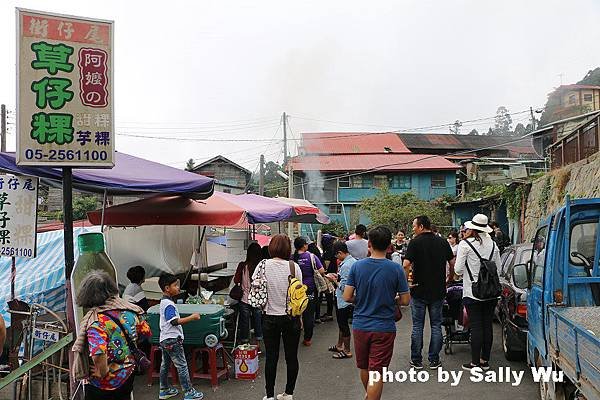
(193, 394)
(306, 343)
(416, 364)
(167, 393)
(435, 365)
(469, 366)
(485, 366)
(284, 396)
(318, 321)
(326, 318)
(268, 398)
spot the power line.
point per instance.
(211, 124)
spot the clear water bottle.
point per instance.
(92, 257)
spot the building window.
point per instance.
(226, 190)
(335, 209)
(572, 99)
(588, 97)
(438, 181)
(357, 182)
(400, 182)
(344, 182)
(380, 181)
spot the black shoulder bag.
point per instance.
(141, 361)
(488, 285)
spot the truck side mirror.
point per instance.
(519, 276)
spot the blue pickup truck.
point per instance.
(563, 303)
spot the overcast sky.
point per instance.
(228, 69)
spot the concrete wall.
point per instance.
(580, 180)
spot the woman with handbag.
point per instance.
(270, 283)
(477, 244)
(242, 280)
(108, 334)
(313, 276)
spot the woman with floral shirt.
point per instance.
(113, 366)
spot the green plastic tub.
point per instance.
(207, 331)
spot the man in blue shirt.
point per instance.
(344, 309)
(376, 286)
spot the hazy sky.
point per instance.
(228, 69)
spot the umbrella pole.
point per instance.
(103, 209)
(13, 277)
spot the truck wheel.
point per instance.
(509, 354)
(211, 340)
(550, 390)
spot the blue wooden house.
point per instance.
(337, 171)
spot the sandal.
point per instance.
(341, 355)
(334, 349)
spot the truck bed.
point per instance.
(575, 345)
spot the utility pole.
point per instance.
(532, 119)
(261, 177)
(3, 128)
(290, 195)
(285, 152)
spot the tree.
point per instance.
(275, 185)
(520, 129)
(190, 165)
(490, 132)
(502, 126)
(591, 78)
(474, 132)
(397, 211)
(81, 206)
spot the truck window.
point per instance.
(538, 257)
(583, 242)
(507, 262)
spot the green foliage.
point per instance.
(545, 194)
(334, 228)
(513, 197)
(474, 132)
(486, 191)
(397, 211)
(503, 122)
(275, 185)
(591, 78)
(81, 205)
(190, 165)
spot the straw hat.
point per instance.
(479, 223)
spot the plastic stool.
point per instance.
(155, 361)
(209, 369)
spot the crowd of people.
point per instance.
(370, 274)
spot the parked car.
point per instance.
(511, 310)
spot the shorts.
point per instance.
(343, 316)
(373, 350)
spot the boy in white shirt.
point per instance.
(171, 341)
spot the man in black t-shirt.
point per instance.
(426, 256)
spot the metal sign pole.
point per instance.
(67, 186)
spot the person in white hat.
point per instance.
(480, 312)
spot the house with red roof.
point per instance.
(338, 170)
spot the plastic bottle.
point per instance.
(92, 257)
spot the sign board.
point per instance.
(64, 91)
(45, 335)
(18, 215)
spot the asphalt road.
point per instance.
(323, 377)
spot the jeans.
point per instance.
(419, 306)
(172, 350)
(275, 328)
(481, 314)
(308, 317)
(245, 310)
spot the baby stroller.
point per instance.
(454, 318)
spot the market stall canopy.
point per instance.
(304, 211)
(171, 210)
(130, 176)
(221, 209)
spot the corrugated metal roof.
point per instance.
(352, 143)
(426, 141)
(365, 162)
